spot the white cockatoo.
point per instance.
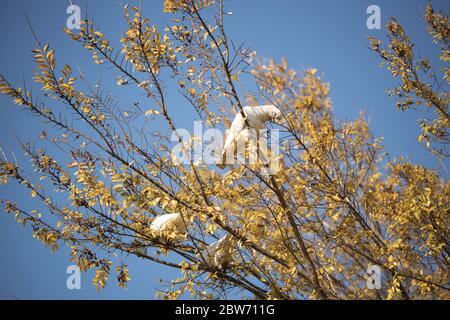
(170, 222)
(219, 254)
(244, 129)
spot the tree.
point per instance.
(309, 231)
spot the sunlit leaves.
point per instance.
(419, 85)
(310, 231)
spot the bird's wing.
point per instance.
(222, 258)
(218, 253)
(236, 127)
(248, 135)
(210, 252)
(228, 148)
(252, 117)
(219, 243)
(161, 222)
(181, 224)
(212, 248)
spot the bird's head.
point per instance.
(275, 114)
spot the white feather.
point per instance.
(219, 254)
(171, 222)
(256, 119)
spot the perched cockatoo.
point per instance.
(170, 222)
(256, 118)
(219, 254)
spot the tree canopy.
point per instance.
(308, 231)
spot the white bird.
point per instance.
(220, 254)
(170, 222)
(256, 118)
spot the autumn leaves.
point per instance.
(173, 226)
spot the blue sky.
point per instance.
(328, 35)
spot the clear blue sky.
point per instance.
(328, 35)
